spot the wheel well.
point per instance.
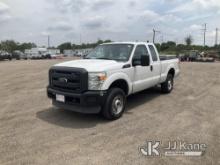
(122, 84)
(172, 72)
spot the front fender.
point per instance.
(117, 76)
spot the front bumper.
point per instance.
(88, 102)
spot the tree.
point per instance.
(158, 46)
(9, 45)
(24, 46)
(189, 40)
(63, 46)
(170, 45)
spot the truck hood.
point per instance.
(92, 65)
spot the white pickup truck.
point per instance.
(101, 81)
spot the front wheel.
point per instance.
(167, 86)
(115, 104)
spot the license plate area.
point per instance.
(60, 98)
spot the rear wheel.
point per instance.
(167, 86)
(115, 104)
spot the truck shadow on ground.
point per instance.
(74, 120)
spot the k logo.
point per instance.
(150, 149)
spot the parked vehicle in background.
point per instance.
(196, 56)
(205, 59)
(68, 52)
(101, 82)
(56, 56)
(193, 55)
(46, 56)
(5, 55)
(36, 53)
(82, 52)
(19, 55)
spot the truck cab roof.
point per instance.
(133, 43)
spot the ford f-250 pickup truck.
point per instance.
(101, 81)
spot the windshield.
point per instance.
(117, 52)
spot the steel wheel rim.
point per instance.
(117, 104)
(170, 84)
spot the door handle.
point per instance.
(151, 68)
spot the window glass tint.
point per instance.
(118, 52)
(139, 51)
(153, 53)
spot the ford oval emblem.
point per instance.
(63, 80)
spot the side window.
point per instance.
(153, 53)
(140, 50)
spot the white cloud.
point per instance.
(3, 7)
(60, 26)
(101, 4)
(122, 20)
(196, 5)
(195, 27)
(4, 12)
(94, 22)
(153, 17)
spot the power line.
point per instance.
(154, 34)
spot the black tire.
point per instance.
(115, 104)
(167, 86)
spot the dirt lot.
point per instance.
(33, 132)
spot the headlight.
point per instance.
(96, 80)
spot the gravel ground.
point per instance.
(34, 132)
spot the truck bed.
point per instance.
(167, 61)
(167, 57)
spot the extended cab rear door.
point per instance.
(142, 78)
(155, 65)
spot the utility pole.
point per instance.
(48, 41)
(204, 34)
(80, 39)
(161, 39)
(216, 37)
(154, 34)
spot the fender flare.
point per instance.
(171, 66)
(115, 77)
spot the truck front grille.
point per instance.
(68, 79)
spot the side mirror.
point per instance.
(145, 60)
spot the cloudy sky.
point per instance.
(118, 20)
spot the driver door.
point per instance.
(142, 74)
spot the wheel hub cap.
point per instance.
(117, 105)
(170, 84)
